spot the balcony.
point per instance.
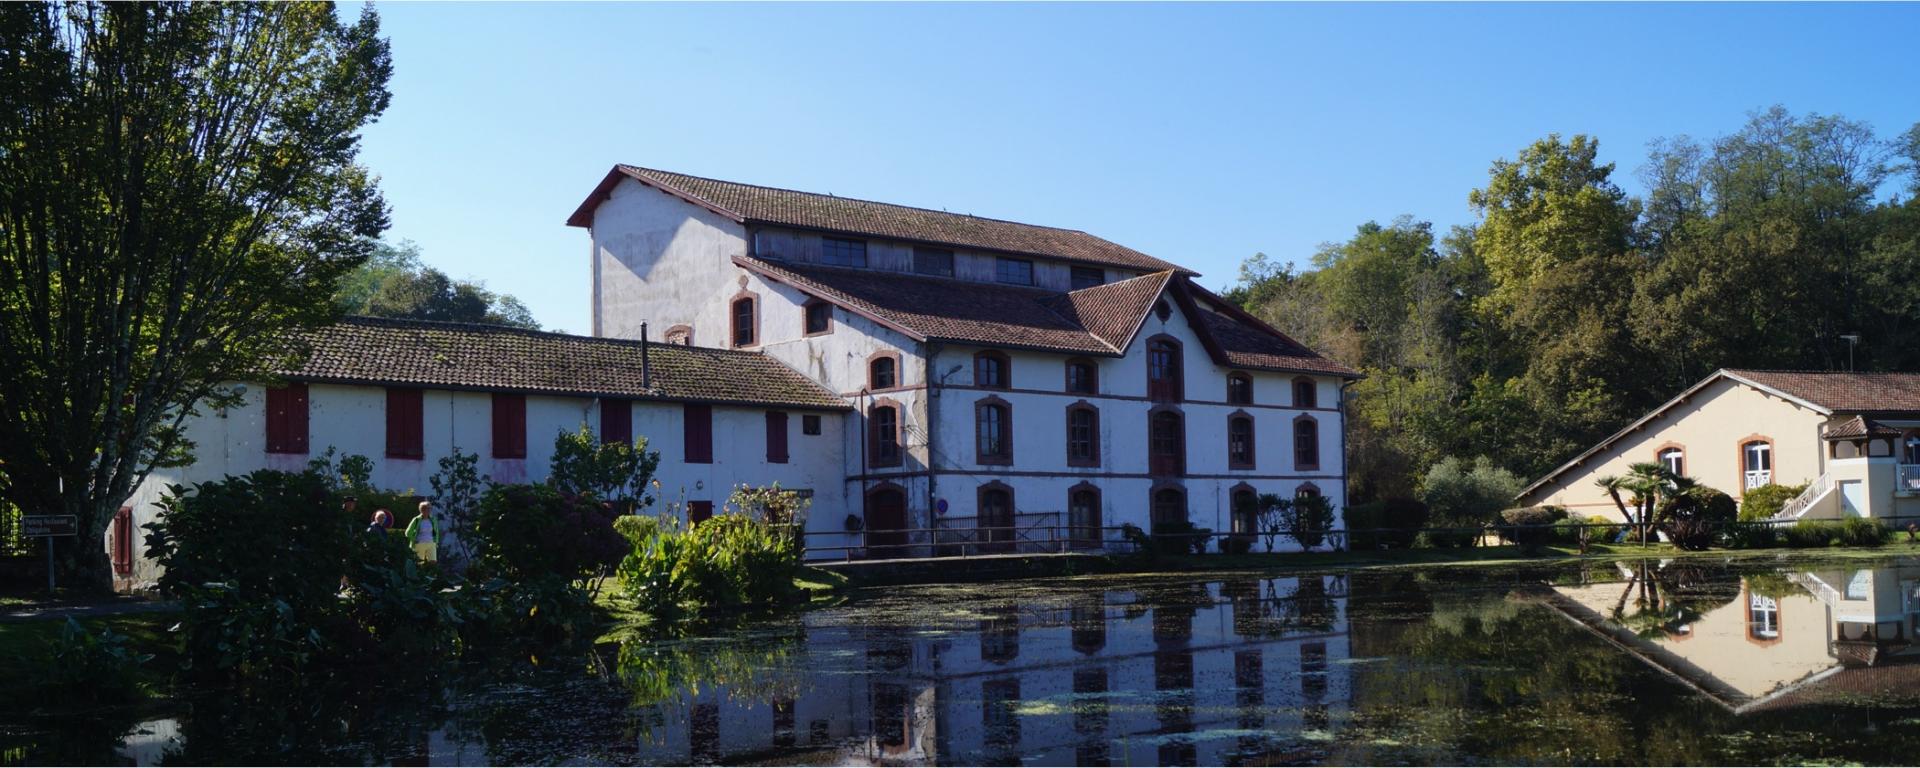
(1908, 480)
(1758, 477)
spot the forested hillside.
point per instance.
(1569, 307)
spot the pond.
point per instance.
(1683, 662)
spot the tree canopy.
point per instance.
(1571, 307)
(395, 283)
(178, 190)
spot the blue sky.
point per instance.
(1197, 133)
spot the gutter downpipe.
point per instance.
(931, 351)
(646, 367)
(1346, 464)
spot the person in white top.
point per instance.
(424, 534)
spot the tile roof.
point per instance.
(748, 203)
(1859, 427)
(1841, 391)
(1100, 321)
(366, 350)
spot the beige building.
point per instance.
(1853, 437)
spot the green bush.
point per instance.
(1180, 538)
(1465, 497)
(1765, 501)
(530, 531)
(1388, 523)
(726, 562)
(1529, 527)
(1694, 516)
(1752, 535)
(83, 669)
(1852, 532)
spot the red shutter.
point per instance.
(616, 420)
(287, 419)
(509, 426)
(699, 433)
(403, 424)
(123, 542)
(776, 437)
(698, 512)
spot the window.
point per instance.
(404, 438)
(1083, 516)
(883, 373)
(1166, 443)
(1239, 388)
(697, 432)
(992, 370)
(287, 419)
(1240, 441)
(1083, 435)
(1304, 393)
(1162, 310)
(1306, 443)
(843, 253)
(1169, 507)
(699, 512)
(1083, 377)
(776, 437)
(509, 426)
(616, 420)
(680, 334)
(745, 330)
(1088, 277)
(1756, 459)
(884, 425)
(1674, 459)
(1013, 271)
(996, 517)
(123, 542)
(933, 261)
(1163, 368)
(1246, 511)
(1763, 618)
(810, 424)
(993, 438)
(819, 317)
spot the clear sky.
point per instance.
(1196, 133)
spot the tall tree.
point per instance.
(178, 189)
(395, 283)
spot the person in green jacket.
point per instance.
(424, 534)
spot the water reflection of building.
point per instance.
(1161, 674)
(1763, 640)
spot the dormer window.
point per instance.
(1088, 277)
(933, 261)
(1014, 271)
(841, 252)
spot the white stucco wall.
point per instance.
(655, 259)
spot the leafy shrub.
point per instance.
(530, 531)
(1863, 532)
(725, 562)
(1179, 538)
(1529, 527)
(1765, 501)
(85, 669)
(1752, 535)
(1693, 516)
(618, 472)
(635, 528)
(1388, 523)
(1465, 497)
(1307, 519)
(1852, 532)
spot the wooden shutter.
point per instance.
(287, 419)
(698, 512)
(776, 437)
(509, 426)
(616, 420)
(698, 418)
(123, 542)
(404, 432)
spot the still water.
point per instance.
(1682, 662)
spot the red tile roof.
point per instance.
(1859, 427)
(1841, 391)
(1112, 312)
(751, 204)
(378, 351)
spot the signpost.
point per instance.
(47, 527)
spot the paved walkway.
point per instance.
(81, 609)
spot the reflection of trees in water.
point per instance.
(1660, 601)
(1277, 607)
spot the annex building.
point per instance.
(938, 383)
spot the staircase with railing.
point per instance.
(1821, 486)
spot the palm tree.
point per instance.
(1648, 482)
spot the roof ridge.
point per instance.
(788, 190)
(409, 322)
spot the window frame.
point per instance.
(779, 442)
(1154, 518)
(1772, 458)
(806, 317)
(1000, 268)
(1245, 382)
(610, 424)
(1234, 421)
(876, 459)
(1312, 400)
(1660, 456)
(996, 540)
(509, 421)
(1313, 425)
(1158, 464)
(856, 248)
(696, 433)
(406, 433)
(1075, 273)
(288, 418)
(1080, 535)
(684, 331)
(1006, 369)
(1173, 388)
(810, 424)
(752, 300)
(1092, 376)
(935, 253)
(873, 363)
(1092, 456)
(1004, 457)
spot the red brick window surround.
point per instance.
(745, 319)
(883, 371)
(817, 316)
(1083, 435)
(1083, 376)
(992, 370)
(1305, 393)
(1240, 440)
(1164, 372)
(1166, 442)
(1306, 442)
(1239, 388)
(993, 431)
(883, 434)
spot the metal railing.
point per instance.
(1758, 477)
(1793, 509)
(1909, 479)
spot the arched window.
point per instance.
(1239, 388)
(992, 370)
(1083, 516)
(993, 431)
(883, 372)
(1307, 491)
(1083, 377)
(746, 327)
(1169, 507)
(1306, 443)
(995, 518)
(680, 334)
(1083, 435)
(1166, 443)
(1305, 394)
(1674, 458)
(1763, 618)
(884, 436)
(1163, 368)
(1240, 441)
(1756, 462)
(1246, 511)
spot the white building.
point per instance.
(959, 381)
